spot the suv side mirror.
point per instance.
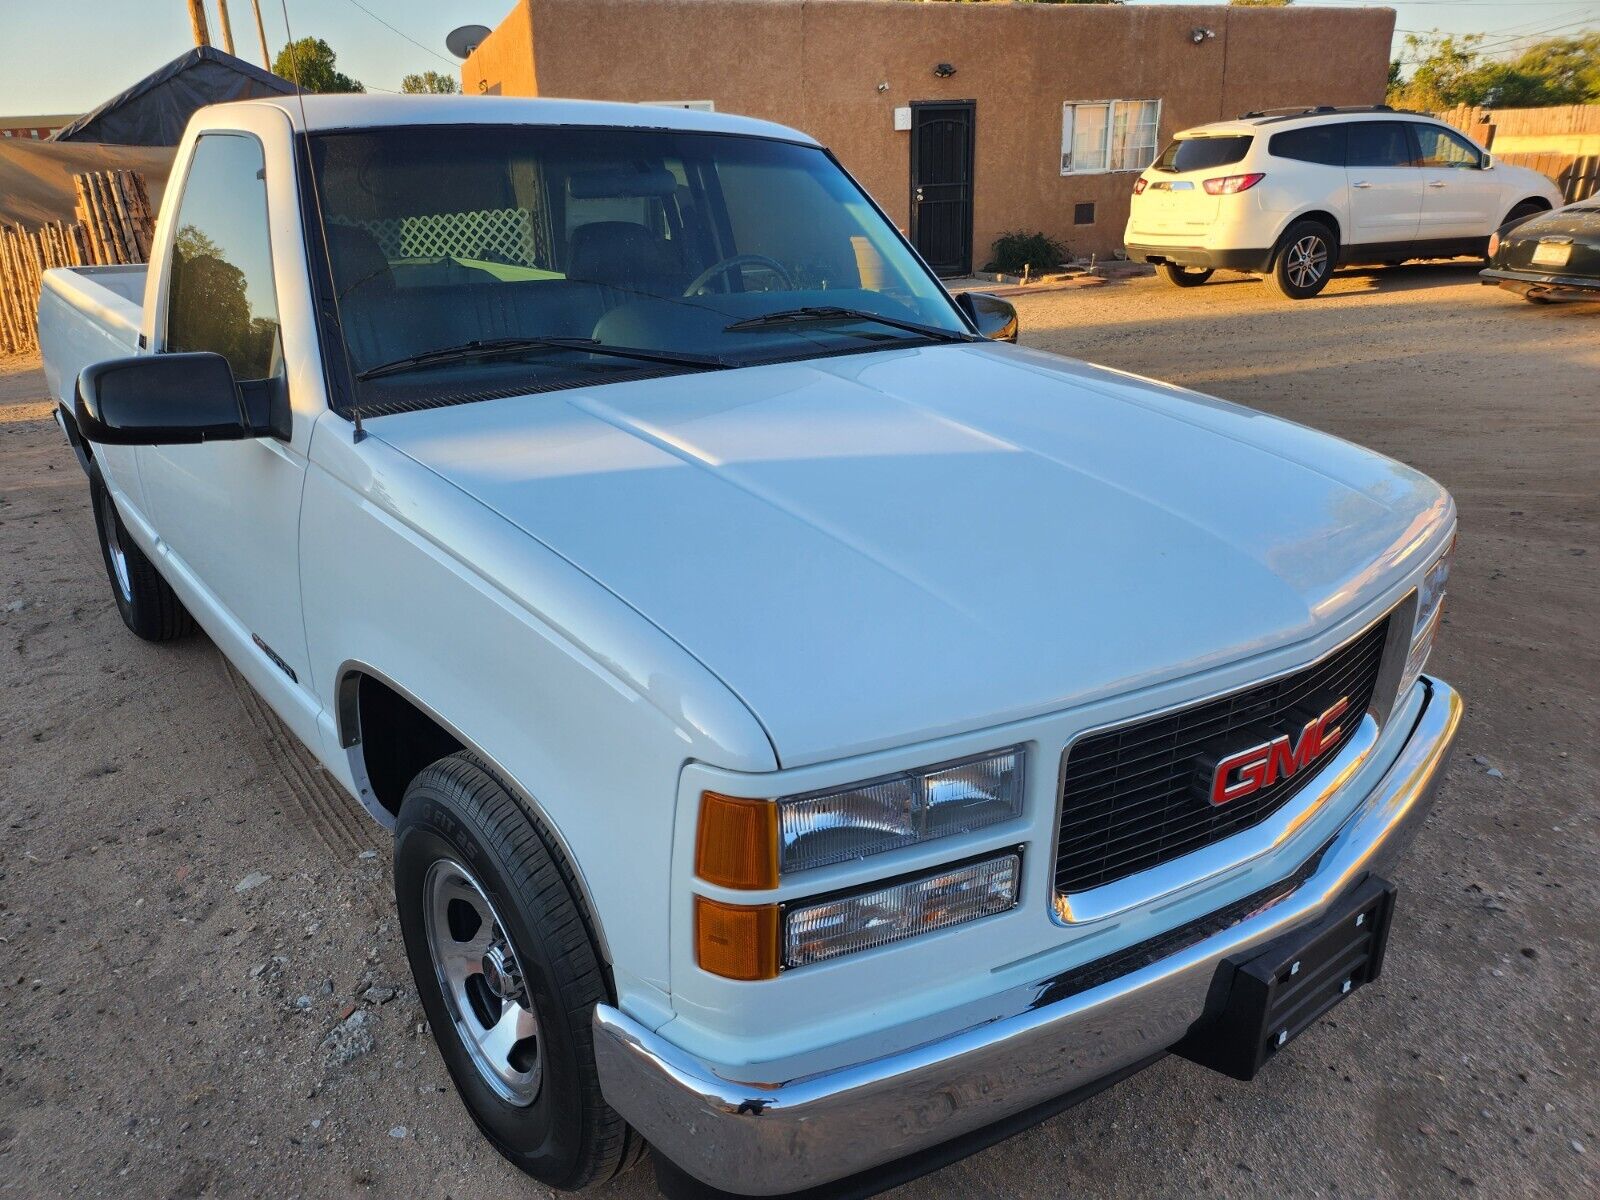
(1486, 161)
(160, 400)
(995, 318)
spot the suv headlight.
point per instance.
(1430, 610)
(744, 843)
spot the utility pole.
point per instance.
(197, 18)
(227, 29)
(261, 32)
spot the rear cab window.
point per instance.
(1203, 153)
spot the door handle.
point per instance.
(919, 195)
(1362, 184)
(1436, 183)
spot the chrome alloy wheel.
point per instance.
(482, 982)
(115, 554)
(1306, 261)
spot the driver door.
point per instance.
(227, 513)
(1460, 199)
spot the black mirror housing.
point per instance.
(995, 318)
(160, 400)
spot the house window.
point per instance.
(1108, 135)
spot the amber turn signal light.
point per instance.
(736, 845)
(736, 941)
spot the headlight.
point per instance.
(1430, 610)
(819, 828)
(865, 920)
(1494, 243)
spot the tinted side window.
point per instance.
(1379, 144)
(1314, 144)
(221, 295)
(1441, 147)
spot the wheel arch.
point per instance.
(1537, 203)
(81, 447)
(1315, 214)
(390, 735)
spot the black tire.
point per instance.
(1304, 261)
(1519, 214)
(147, 603)
(457, 816)
(1184, 277)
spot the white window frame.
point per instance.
(1069, 110)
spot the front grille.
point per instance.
(1138, 795)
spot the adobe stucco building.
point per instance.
(1001, 116)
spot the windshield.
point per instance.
(488, 260)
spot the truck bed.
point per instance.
(87, 314)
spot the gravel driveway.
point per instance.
(202, 989)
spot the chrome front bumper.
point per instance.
(762, 1138)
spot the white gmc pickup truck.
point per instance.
(820, 738)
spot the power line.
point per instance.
(1502, 43)
(400, 34)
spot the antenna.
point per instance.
(322, 225)
(464, 40)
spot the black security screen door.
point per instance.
(941, 184)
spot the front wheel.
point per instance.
(507, 973)
(1184, 277)
(1304, 262)
(146, 602)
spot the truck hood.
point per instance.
(875, 549)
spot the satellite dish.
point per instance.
(463, 41)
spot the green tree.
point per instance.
(1450, 70)
(309, 62)
(435, 83)
(1566, 70)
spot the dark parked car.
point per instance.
(1553, 256)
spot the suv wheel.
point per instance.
(1184, 277)
(147, 603)
(1304, 262)
(507, 973)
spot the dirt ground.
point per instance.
(188, 906)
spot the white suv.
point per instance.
(1292, 194)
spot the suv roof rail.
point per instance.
(1320, 110)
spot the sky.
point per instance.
(115, 43)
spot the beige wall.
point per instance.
(817, 65)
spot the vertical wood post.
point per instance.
(227, 27)
(261, 32)
(197, 21)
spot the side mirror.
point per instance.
(995, 318)
(1486, 162)
(160, 400)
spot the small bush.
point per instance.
(1015, 250)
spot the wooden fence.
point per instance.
(114, 225)
(1561, 142)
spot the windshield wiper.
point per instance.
(494, 347)
(827, 312)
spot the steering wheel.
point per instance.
(739, 260)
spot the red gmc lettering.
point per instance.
(1261, 766)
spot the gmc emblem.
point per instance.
(1261, 766)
